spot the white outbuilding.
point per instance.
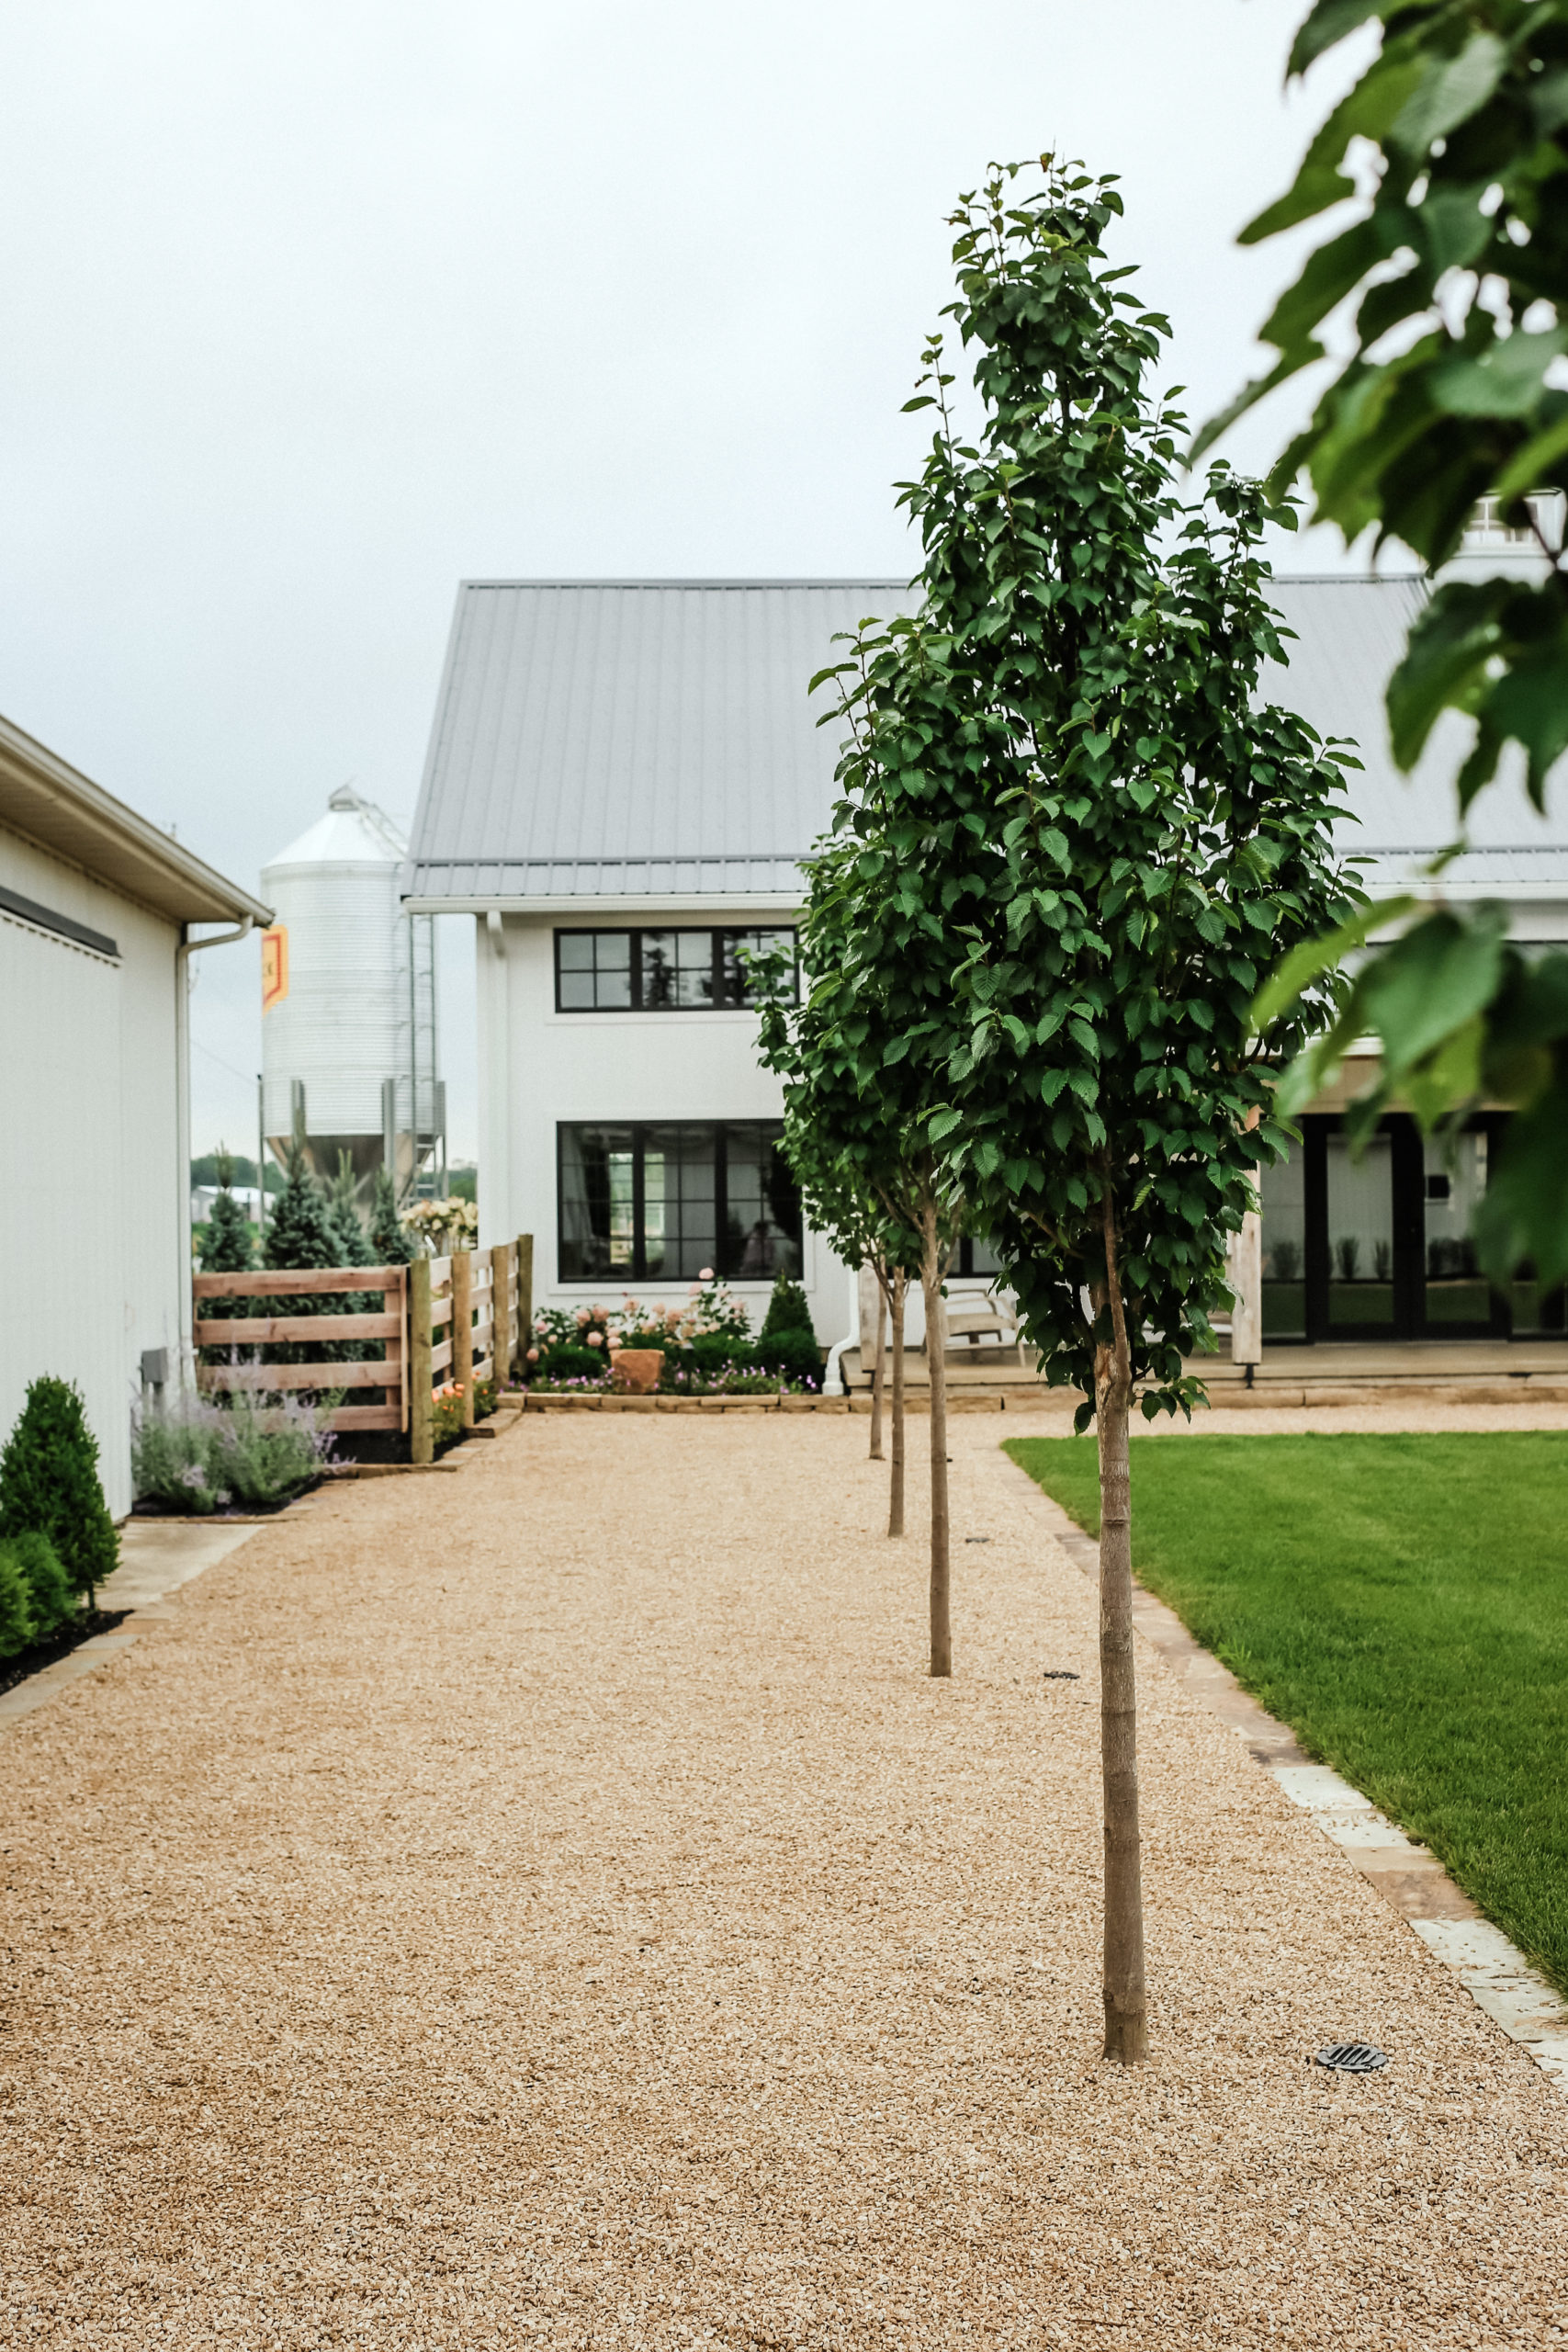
(97, 915)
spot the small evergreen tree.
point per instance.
(787, 1311)
(226, 1249)
(226, 1246)
(300, 1231)
(303, 1235)
(50, 1484)
(390, 1243)
(16, 1605)
(51, 1602)
(354, 1250)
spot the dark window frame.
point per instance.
(715, 934)
(720, 1130)
(1407, 1181)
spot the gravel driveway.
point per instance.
(550, 1904)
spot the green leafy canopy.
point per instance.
(1454, 271)
(1072, 836)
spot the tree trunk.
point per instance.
(895, 1481)
(1126, 2029)
(880, 1371)
(932, 1270)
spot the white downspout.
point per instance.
(183, 954)
(831, 1373)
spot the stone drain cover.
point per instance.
(1352, 2058)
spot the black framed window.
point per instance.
(661, 1200)
(972, 1258)
(1377, 1247)
(667, 971)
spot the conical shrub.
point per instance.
(226, 1246)
(16, 1605)
(390, 1243)
(50, 1484)
(51, 1599)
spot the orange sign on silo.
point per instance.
(274, 965)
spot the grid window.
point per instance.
(670, 971)
(676, 971)
(593, 971)
(661, 1203)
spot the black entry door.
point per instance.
(1385, 1235)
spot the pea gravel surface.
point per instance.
(552, 1904)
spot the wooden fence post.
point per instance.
(502, 1341)
(463, 1329)
(422, 1421)
(525, 1293)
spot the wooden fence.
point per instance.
(388, 1373)
(443, 1321)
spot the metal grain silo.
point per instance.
(348, 993)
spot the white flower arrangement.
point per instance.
(452, 1223)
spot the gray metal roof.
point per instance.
(646, 738)
(630, 738)
(1351, 635)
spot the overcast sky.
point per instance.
(313, 309)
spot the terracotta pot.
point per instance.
(636, 1370)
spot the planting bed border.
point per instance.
(860, 1402)
(1410, 1878)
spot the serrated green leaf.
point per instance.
(1450, 91)
(1296, 972)
(1327, 24)
(1506, 380)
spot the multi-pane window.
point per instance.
(667, 971)
(659, 1203)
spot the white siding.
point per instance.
(538, 1067)
(89, 1174)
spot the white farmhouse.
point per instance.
(97, 912)
(623, 781)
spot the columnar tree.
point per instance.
(840, 1201)
(1089, 837)
(857, 1078)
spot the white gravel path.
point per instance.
(551, 1904)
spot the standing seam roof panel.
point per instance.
(631, 738)
(667, 724)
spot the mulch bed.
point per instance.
(155, 1507)
(41, 1654)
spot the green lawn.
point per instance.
(1401, 1603)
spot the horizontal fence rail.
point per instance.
(387, 1373)
(443, 1322)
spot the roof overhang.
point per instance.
(64, 812)
(626, 887)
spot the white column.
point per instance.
(498, 1210)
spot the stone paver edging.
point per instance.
(1493, 1971)
(157, 1556)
